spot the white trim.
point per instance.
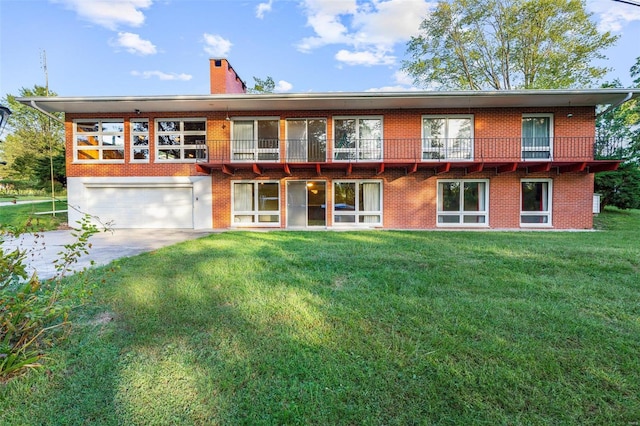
(100, 148)
(288, 139)
(253, 154)
(329, 101)
(461, 213)
(546, 213)
(357, 212)
(356, 153)
(133, 147)
(180, 133)
(447, 138)
(537, 149)
(255, 212)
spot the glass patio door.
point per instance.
(306, 204)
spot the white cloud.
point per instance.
(324, 16)
(109, 14)
(401, 77)
(216, 46)
(162, 75)
(371, 29)
(283, 86)
(366, 58)
(263, 8)
(404, 83)
(613, 16)
(134, 44)
(391, 21)
(397, 88)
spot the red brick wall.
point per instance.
(223, 78)
(409, 199)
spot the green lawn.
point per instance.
(20, 215)
(376, 327)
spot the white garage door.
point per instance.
(142, 207)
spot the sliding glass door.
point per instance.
(306, 204)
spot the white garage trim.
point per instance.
(142, 202)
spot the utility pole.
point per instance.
(53, 189)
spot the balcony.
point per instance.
(471, 155)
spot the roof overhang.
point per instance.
(333, 101)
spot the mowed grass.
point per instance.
(25, 217)
(354, 328)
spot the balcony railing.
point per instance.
(558, 149)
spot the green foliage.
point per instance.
(507, 44)
(24, 217)
(619, 188)
(34, 314)
(32, 142)
(28, 316)
(262, 86)
(78, 248)
(618, 134)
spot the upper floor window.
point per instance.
(447, 137)
(181, 139)
(463, 202)
(537, 136)
(256, 139)
(140, 140)
(99, 140)
(307, 140)
(357, 138)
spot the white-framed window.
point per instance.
(255, 139)
(255, 203)
(357, 202)
(447, 137)
(537, 136)
(535, 202)
(98, 140)
(306, 140)
(463, 202)
(139, 140)
(357, 138)
(181, 139)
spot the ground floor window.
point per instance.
(463, 202)
(256, 203)
(535, 205)
(357, 203)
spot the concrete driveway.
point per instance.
(44, 248)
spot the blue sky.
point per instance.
(162, 47)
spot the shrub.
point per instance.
(34, 313)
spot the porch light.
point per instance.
(4, 117)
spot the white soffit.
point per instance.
(333, 101)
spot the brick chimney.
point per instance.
(224, 78)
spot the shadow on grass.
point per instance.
(362, 328)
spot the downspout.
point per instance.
(51, 116)
(616, 105)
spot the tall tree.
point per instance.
(618, 134)
(507, 44)
(33, 141)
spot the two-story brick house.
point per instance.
(409, 160)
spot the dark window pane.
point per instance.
(194, 126)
